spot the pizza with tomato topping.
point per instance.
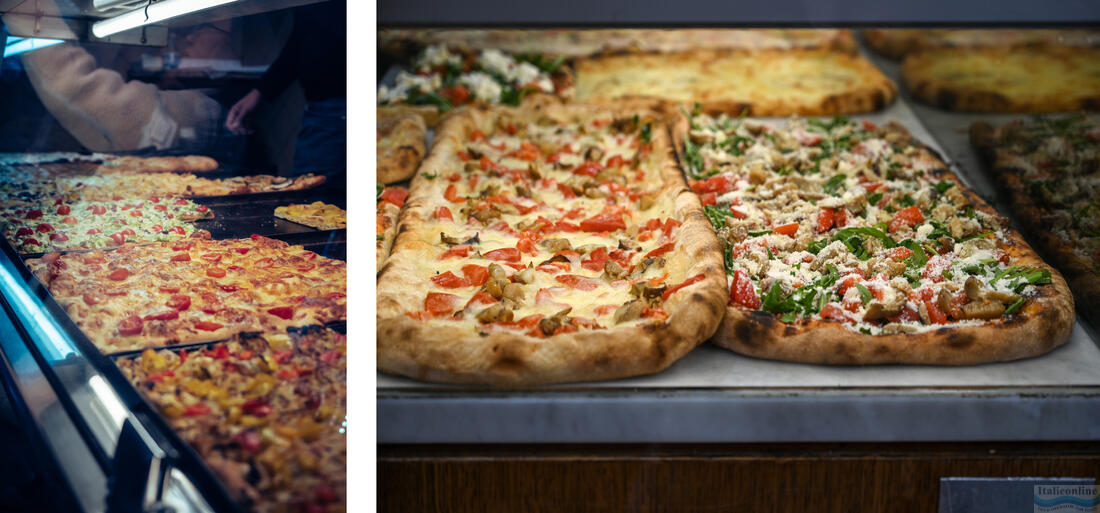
(897, 43)
(759, 83)
(36, 227)
(1047, 166)
(319, 215)
(389, 203)
(109, 186)
(441, 80)
(400, 135)
(850, 243)
(547, 245)
(265, 413)
(163, 293)
(70, 164)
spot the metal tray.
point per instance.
(715, 395)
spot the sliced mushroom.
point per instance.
(550, 324)
(494, 288)
(1006, 298)
(486, 214)
(555, 245)
(587, 248)
(471, 167)
(974, 289)
(282, 183)
(593, 154)
(982, 310)
(629, 245)
(476, 239)
(645, 202)
(555, 258)
(879, 310)
(447, 239)
(497, 272)
(943, 300)
(630, 311)
(514, 291)
(648, 293)
(526, 276)
(613, 270)
(523, 191)
(533, 171)
(473, 152)
(490, 190)
(495, 313)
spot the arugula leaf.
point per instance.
(828, 126)
(733, 144)
(771, 301)
(906, 201)
(1015, 306)
(946, 273)
(789, 317)
(378, 193)
(432, 176)
(864, 294)
(694, 159)
(717, 215)
(834, 183)
(784, 171)
(851, 238)
(541, 62)
(975, 236)
(727, 257)
(816, 246)
(918, 258)
(415, 97)
(874, 198)
(379, 237)
(512, 96)
(944, 185)
(646, 132)
(759, 233)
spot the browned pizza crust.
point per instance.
(1044, 322)
(401, 145)
(756, 83)
(897, 43)
(1006, 80)
(412, 348)
(1033, 217)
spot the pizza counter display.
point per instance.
(184, 350)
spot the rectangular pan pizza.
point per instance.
(547, 245)
(850, 243)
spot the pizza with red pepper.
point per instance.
(547, 245)
(40, 226)
(850, 243)
(135, 296)
(266, 414)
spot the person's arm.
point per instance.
(107, 113)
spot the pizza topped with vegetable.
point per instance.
(35, 227)
(445, 79)
(546, 245)
(1047, 165)
(849, 225)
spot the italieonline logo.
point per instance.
(1067, 499)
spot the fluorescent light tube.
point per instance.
(159, 11)
(18, 45)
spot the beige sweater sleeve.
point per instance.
(106, 113)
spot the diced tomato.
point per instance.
(578, 282)
(443, 213)
(181, 257)
(208, 326)
(44, 228)
(215, 272)
(789, 229)
(438, 303)
(305, 267)
(873, 186)
(131, 325)
(451, 194)
(738, 213)
(481, 298)
(661, 250)
(119, 274)
(456, 94)
(742, 292)
(33, 214)
(162, 208)
(899, 253)
(197, 409)
(504, 255)
(98, 209)
(477, 274)
(935, 315)
(395, 195)
(64, 210)
(118, 238)
(526, 151)
(229, 288)
(128, 232)
(588, 169)
(603, 223)
(709, 198)
(867, 125)
(30, 242)
(616, 161)
(92, 299)
(478, 135)
(841, 217)
(156, 228)
(566, 191)
(449, 280)
(852, 303)
(461, 250)
(60, 237)
(212, 257)
(690, 281)
(23, 232)
(909, 216)
(179, 302)
(136, 213)
(907, 314)
(719, 184)
(832, 312)
(163, 316)
(825, 220)
(282, 312)
(527, 246)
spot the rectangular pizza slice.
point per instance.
(547, 245)
(759, 83)
(164, 293)
(1047, 167)
(850, 243)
